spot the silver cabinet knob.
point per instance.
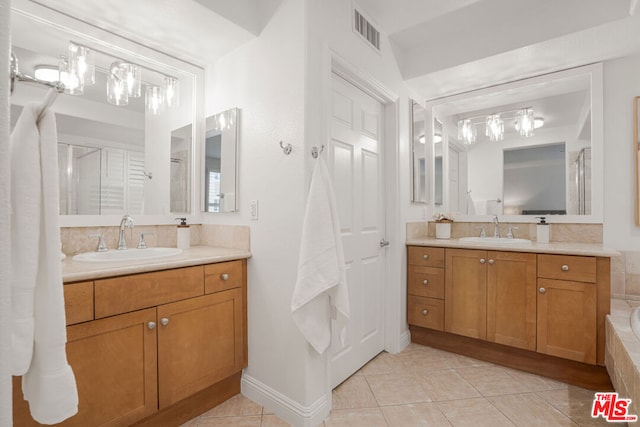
(425, 256)
(164, 321)
(151, 325)
(491, 261)
(482, 260)
(224, 276)
(425, 312)
(425, 282)
(565, 267)
(543, 290)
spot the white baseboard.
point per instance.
(405, 339)
(284, 407)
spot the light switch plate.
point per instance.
(253, 207)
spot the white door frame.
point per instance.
(394, 322)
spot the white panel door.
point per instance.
(355, 158)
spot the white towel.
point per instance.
(49, 384)
(471, 206)
(321, 286)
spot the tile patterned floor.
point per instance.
(423, 386)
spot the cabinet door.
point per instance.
(567, 319)
(114, 362)
(200, 342)
(465, 310)
(511, 299)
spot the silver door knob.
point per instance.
(425, 312)
(482, 260)
(224, 276)
(164, 321)
(425, 256)
(383, 243)
(151, 325)
(543, 290)
(565, 267)
(425, 282)
(491, 261)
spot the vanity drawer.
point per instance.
(78, 302)
(129, 293)
(223, 276)
(567, 267)
(426, 281)
(425, 312)
(425, 256)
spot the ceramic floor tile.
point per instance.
(273, 421)
(371, 417)
(536, 382)
(419, 364)
(394, 389)
(473, 413)
(529, 410)
(415, 414)
(252, 421)
(460, 361)
(354, 393)
(384, 363)
(447, 385)
(574, 402)
(190, 423)
(492, 380)
(236, 406)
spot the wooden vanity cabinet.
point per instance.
(163, 352)
(425, 287)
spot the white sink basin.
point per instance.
(126, 255)
(496, 240)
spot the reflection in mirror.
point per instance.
(118, 150)
(418, 155)
(437, 163)
(541, 167)
(636, 152)
(220, 162)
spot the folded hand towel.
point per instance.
(49, 384)
(321, 286)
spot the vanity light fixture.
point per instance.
(154, 99)
(132, 76)
(69, 77)
(47, 73)
(83, 63)
(525, 122)
(117, 92)
(494, 128)
(171, 91)
(467, 132)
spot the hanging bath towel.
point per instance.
(48, 383)
(321, 286)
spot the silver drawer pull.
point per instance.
(425, 282)
(164, 321)
(425, 312)
(425, 256)
(482, 260)
(543, 290)
(565, 267)
(224, 276)
(151, 325)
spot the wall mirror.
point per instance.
(221, 162)
(527, 148)
(127, 124)
(636, 152)
(418, 154)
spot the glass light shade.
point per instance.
(525, 122)
(154, 99)
(494, 128)
(132, 75)
(82, 60)
(538, 122)
(171, 91)
(467, 132)
(69, 77)
(48, 73)
(117, 93)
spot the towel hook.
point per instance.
(315, 152)
(286, 148)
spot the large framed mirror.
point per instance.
(418, 154)
(220, 162)
(126, 129)
(545, 157)
(636, 152)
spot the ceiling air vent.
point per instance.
(366, 30)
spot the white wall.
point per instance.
(621, 85)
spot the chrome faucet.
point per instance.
(496, 223)
(126, 221)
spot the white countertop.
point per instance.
(73, 271)
(588, 249)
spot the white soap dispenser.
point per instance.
(184, 234)
(542, 230)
